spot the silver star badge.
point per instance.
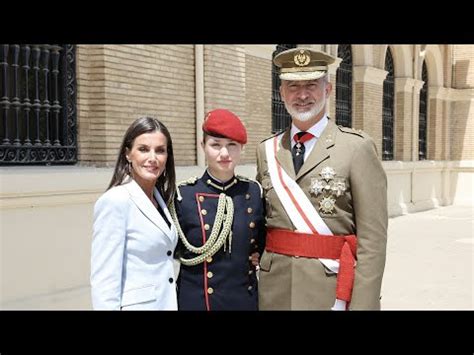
(327, 173)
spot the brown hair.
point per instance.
(166, 183)
(205, 134)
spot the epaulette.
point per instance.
(190, 181)
(244, 178)
(273, 135)
(357, 132)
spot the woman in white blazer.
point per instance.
(134, 239)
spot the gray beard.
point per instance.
(308, 115)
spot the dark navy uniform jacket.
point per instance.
(226, 281)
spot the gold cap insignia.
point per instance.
(302, 58)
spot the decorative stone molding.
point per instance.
(333, 67)
(450, 94)
(264, 51)
(369, 75)
(418, 84)
(404, 84)
(461, 94)
(438, 93)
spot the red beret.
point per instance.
(225, 123)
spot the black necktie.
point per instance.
(299, 149)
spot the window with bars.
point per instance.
(280, 117)
(422, 126)
(388, 99)
(37, 104)
(344, 86)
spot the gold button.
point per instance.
(203, 212)
(252, 225)
(252, 241)
(201, 198)
(210, 290)
(249, 288)
(209, 274)
(249, 210)
(209, 259)
(247, 196)
(206, 227)
(250, 272)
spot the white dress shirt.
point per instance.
(315, 130)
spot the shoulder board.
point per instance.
(190, 181)
(273, 135)
(357, 132)
(246, 179)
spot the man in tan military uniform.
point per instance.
(326, 199)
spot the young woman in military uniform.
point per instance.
(220, 220)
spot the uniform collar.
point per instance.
(217, 184)
(316, 130)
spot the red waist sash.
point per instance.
(343, 247)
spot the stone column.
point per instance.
(199, 82)
(415, 127)
(367, 98)
(331, 109)
(405, 103)
(436, 112)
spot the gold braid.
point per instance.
(216, 239)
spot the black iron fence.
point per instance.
(387, 110)
(422, 131)
(344, 86)
(37, 104)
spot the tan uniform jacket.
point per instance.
(290, 283)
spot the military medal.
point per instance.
(298, 148)
(327, 173)
(329, 187)
(327, 205)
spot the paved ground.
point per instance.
(429, 265)
(430, 260)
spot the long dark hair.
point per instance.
(166, 183)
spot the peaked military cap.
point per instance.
(303, 64)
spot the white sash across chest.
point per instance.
(297, 205)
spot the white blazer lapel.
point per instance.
(144, 204)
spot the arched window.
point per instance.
(280, 118)
(388, 98)
(344, 86)
(423, 115)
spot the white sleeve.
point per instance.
(107, 252)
